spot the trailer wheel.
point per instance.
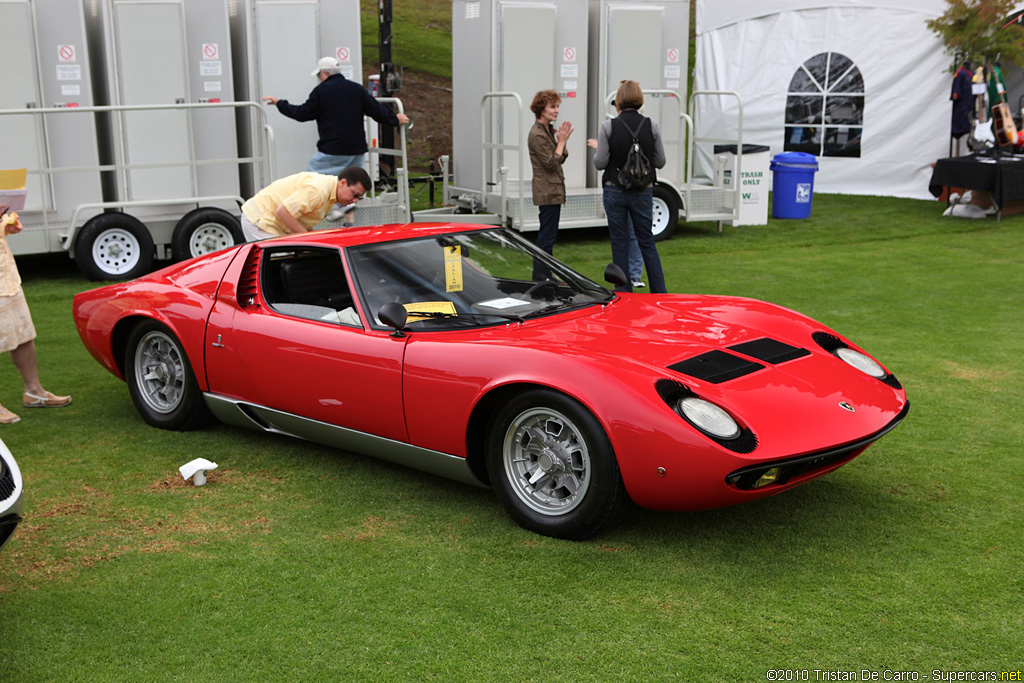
(114, 246)
(204, 231)
(665, 213)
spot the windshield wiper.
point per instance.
(443, 315)
(563, 306)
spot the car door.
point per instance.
(280, 335)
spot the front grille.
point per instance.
(791, 468)
(716, 367)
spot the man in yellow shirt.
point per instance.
(297, 203)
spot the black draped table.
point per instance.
(1000, 174)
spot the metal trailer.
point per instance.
(105, 238)
(505, 50)
(46, 66)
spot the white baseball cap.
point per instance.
(329, 64)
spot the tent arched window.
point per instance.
(825, 107)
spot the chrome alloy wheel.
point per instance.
(159, 364)
(546, 461)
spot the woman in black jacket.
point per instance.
(621, 205)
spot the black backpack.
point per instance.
(637, 173)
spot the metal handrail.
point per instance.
(401, 173)
(262, 163)
(737, 183)
(494, 145)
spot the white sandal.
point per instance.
(47, 400)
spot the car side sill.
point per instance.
(251, 416)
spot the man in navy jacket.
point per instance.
(338, 106)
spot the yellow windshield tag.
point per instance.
(453, 269)
(428, 307)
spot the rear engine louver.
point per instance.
(247, 283)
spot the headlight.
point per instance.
(861, 362)
(708, 417)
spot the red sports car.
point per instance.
(467, 352)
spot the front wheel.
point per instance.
(161, 382)
(114, 246)
(552, 466)
(664, 213)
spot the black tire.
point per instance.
(552, 466)
(204, 231)
(161, 382)
(114, 246)
(664, 213)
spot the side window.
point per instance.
(308, 283)
(825, 107)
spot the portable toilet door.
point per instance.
(46, 65)
(516, 47)
(166, 53)
(645, 41)
(279, 42)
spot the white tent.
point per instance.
(862, 84)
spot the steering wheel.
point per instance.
(540, 285)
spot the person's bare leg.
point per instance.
(24, 358)
(36, 396)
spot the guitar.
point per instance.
(982, 137)
(1005, 128)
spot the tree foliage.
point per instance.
(978, 30)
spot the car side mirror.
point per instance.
(614, 275)
(393, 314)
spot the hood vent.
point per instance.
(770, 350)
(716, 367)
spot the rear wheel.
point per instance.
(161, 382)
(204, 231)
(552, 466)
(114, 246)
(664, 213)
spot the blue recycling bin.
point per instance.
(793, 184)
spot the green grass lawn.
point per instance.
(298, 562)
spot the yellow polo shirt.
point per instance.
(307, 196)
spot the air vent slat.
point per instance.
(770, 351)
(716, 367)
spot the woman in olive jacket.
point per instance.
(547, 154)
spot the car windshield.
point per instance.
(468, 279)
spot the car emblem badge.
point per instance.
(846, 406)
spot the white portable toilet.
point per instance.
(645, 41)
(46, 65)
(167, 52)
(516, 46)
(278, 43)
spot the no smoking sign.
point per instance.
(210, 51)
(343, 54)
(66, 53)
